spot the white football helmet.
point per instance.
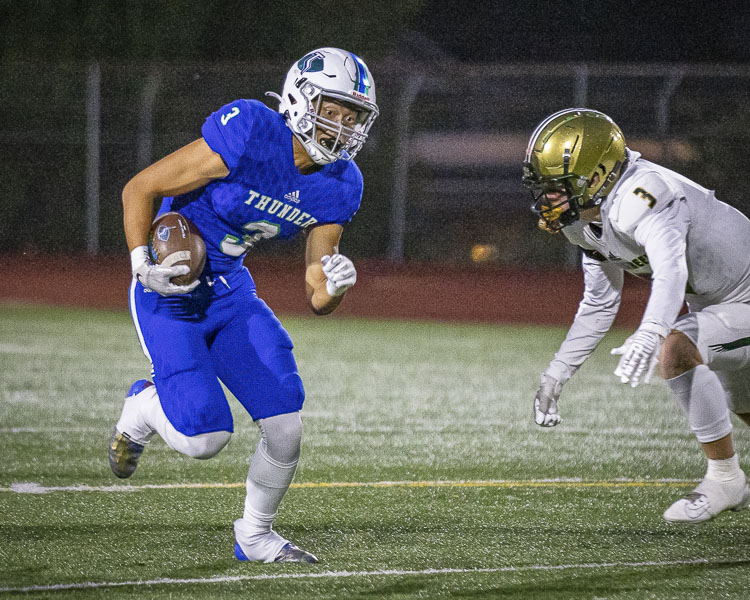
(328, 74)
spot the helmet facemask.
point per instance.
(320, 77)
(553, 215)
(339, 141)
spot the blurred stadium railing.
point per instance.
(442, 167)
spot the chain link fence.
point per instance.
(441, 168)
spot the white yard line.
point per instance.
(42, 430)
(454, 428)
(379, 573)
(35, 488)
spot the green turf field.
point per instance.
(422, 474)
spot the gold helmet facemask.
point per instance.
(564, 154)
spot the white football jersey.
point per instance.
(714, 237)
(655, 223)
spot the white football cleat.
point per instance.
(267, 546)
(708, 500)
(288, 553)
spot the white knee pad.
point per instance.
(281, 436)
(203, 445)
(143, 415)
(704, 401)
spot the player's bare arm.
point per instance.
(322, 247)
(186, 169)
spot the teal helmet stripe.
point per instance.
(362, 80)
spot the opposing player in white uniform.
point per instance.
(628, 214)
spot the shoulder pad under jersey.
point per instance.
(641, 195)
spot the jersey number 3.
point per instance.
(639, 191)
(230, 115)
(256, 231)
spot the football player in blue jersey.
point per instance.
(255, 174)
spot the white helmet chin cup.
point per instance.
(333, 75)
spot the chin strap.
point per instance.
(310, 147)
(616, 171)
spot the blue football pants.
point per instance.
(220, 331)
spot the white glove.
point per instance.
(546, 412)
(157, 277)
(639, 354)
(340, 273)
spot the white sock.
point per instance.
(142, 416)
(272, 469)
(133, 417)
(723, 470)
(266, 484)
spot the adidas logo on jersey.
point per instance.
(280, 209)
(292, 196)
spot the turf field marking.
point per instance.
(378, 573)
(636, 432)
(44, 430)
(38, 350)
(20, 349)
(35, 488)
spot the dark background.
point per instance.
(491, 69)
(528, 30)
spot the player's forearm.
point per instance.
(666, 254)
(595, 315)
(588, 329)
(186, 169)
(665, 301)
(321, 303)
(138, 212)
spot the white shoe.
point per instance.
(288, 553)
(708, 500)
(256, 545)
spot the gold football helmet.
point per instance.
(565, 153)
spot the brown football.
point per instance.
(175, 240)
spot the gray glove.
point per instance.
(158, 277)
(546, 412)
(340, 273)
(639, 354)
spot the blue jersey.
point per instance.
(264, 196)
